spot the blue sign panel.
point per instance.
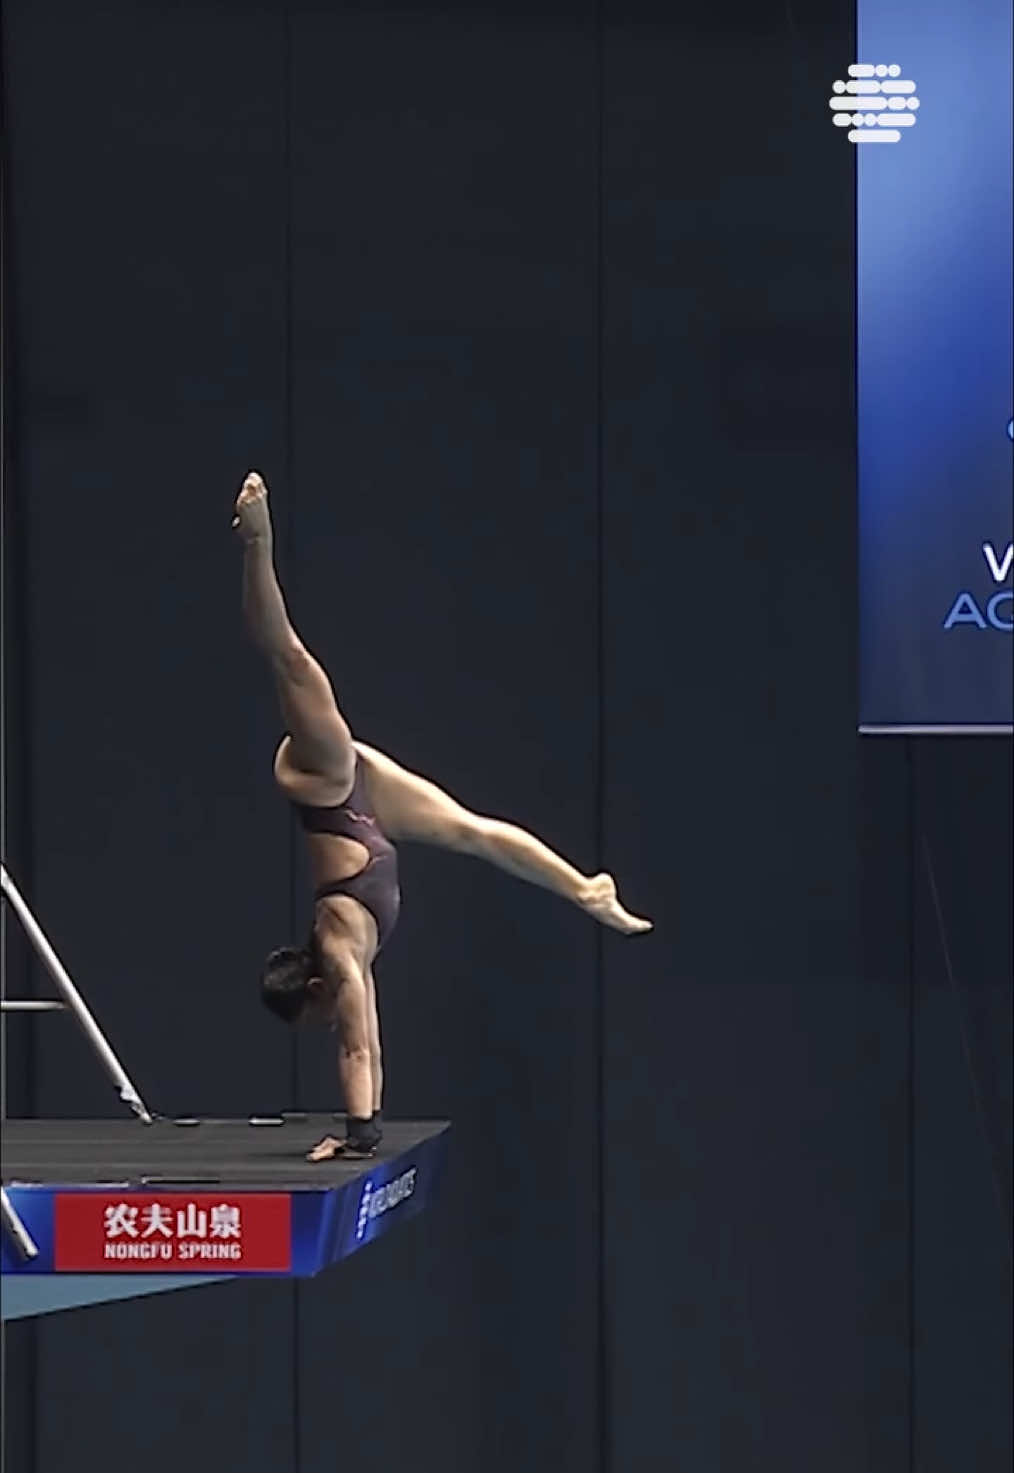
(934, 362)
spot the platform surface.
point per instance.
(231, 1152)
(169, 1204)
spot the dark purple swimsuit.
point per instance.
(375, 886)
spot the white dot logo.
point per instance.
(889, 102)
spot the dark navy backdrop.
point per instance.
(544, 357)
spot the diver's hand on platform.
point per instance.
(326, 1150)
(252, 518)
(601, 903)
(330, 1149)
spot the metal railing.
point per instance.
(70, 1001)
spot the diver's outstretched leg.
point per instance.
(319, 744)
(409, 807)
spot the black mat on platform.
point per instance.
(125, 1151)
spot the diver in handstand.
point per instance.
(355, 804)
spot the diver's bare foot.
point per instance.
(252, 518)
(600, 902)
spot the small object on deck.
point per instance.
(181, 1181)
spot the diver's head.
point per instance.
(290, 983)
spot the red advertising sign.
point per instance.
(204, 1232)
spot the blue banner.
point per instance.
(934, 352)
